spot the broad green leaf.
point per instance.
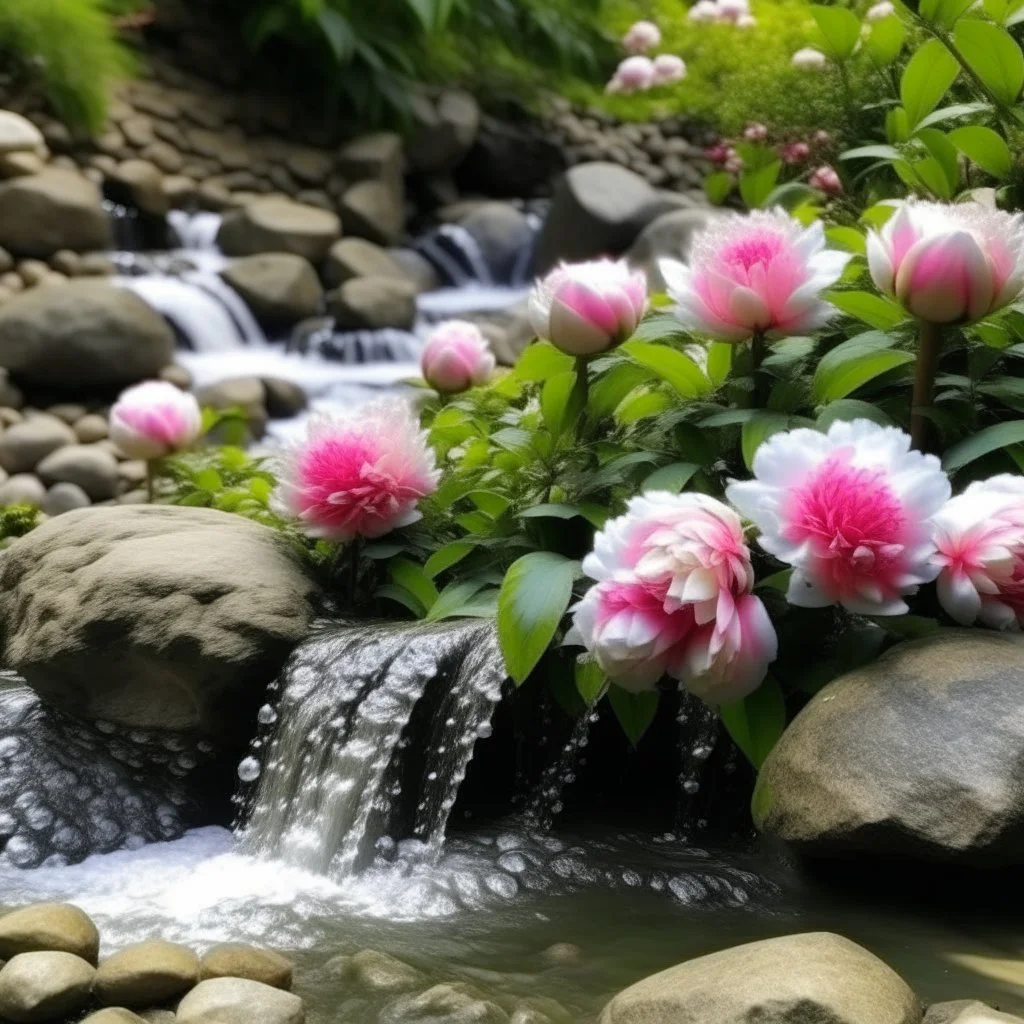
(393, 592)
(878, 152)
(944, 153)
(943, 13)
(885, 40)
(671, 478)
(534, 596)
(659, 327)
(414, 579)
(855, 362)
(991, 439)
(930, 173)
(993, 55)
(777, 581)
(756, 722)
(482, 605)
(676, 368)
(878, 312)
(617, 471)
(447, 556)
(208, 480)
(756, 184)
(612, 386)
(984, 147)
(849, 239)
(561, 402)
(552, 511)
(453, 598)
(952, 112)
(758, 429)
(719, 363)
(717, 187)
(338, 32)
(897, 125)
(542, 360)
(641, 405)
(591, 681)
(490, 502)
(635, 711)
(852, 409)
(840, 30)
(926, 79)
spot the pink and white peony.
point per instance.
(826, 179)
(668, 69)
(704, 12)
(673, 596)
(733, 11)
(980, 540)
(361, 475)
(587, 308)
(755, 132)
(949, 263)
(154, 419)
(850, 510)
(762, 272)
(634, 74)
(456, 356)
(883, 9)
(641, 37)
(809, 59)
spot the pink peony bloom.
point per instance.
(980, 539)
(154, 419)
(360, 475)
(755, 132)
(826, 180)
(641, 37)
(880, 10)
(588, 308)
(949, 263)
(759, 272)
(668, 69)
(795, 153)
(719, 153)
(851, 511)
(809, 59)
(733, 10)
(704, 12)
(455, 357)
(634, 74)
(673, 596)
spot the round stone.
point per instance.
(44, 986)
(114, 1015)
(91, 428)
(57, 927)
(146, 974)
(235, 960)
(25, 445)
(91, 468)
(61, 498)
(239, 1001)
(22, 489)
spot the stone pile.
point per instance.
(53, 973)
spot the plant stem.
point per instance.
(928, 348)
(757, 354)
(151, 480)
(581, 394)
(355, 550)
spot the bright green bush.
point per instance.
(72, 46)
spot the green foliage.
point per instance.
(72, 46)
(16, 521)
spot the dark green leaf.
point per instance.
(403, 597)
(590, 679)
(412, 578)
(717, 187)
(758, 429)
(984, 147)
(552, 511)
(635, 711)
(453, 598)
(671, 478)
(447, 556)
(852, 409)
(756, 722)
(875, 310)
(994, 56)
(756, 185)
(991, 439)
(926, 79)
(678, 370)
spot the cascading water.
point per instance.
(337, 771)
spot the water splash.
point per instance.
(330, 791)
(196, 231)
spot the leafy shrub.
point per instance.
(72, 46)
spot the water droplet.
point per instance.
(267, 715)
(249, 769)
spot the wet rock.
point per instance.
(284, 398)
(418, 269)
(239, 1001)
(39, 987)
(796, 978)
(277, 287)
(503, 233)
(444, 1004)
(932, 768)
(373, 210)
(63, 498)
(598, 209)
(312, 166)
(356, 257)
(376, 972)
(85, 465)
(562, 953)
(146, 974)
(20, 165)
(86, 336)
(372, 303)
(968, 1011)
(56, 927)
(22, 489)
(18, 134)
(668, 236)
(511, 160)
(140, 183)
(25, 445)
(372, 156)
(114, 1015)
(276, 224)
(95, 264)
(205, 606)
(444, 130)
(55, 209)
(235, 960)
(245, 394)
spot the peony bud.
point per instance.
(809, 58)
(455, 357)
(796, 152)
(755, 132)
(704, 12)
(826, 180)
(668, 69)
(634, 74)
(880, 10)
(154, 419)
(641, 37)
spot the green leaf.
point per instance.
(635, 711)
(717, 187)
(897, 125)
(659, 327)
(612, 386)
(447, 556)
(642, 405)
(756, 722)
(677, 369)
(453, 598)
(849, 239)
(926, 79)
(338, 32)
(758, 429)
(552, 511)
(560, 402)
(534, 596)
(671, 478)
(719, 364)
(756, 184)
(542, 360)
(880, 313)
(943, 13)
(591, 681)
(984, 147)
(403, 597)
(878, 152)
(952, 112)
(994, 56)
(208, 480)
(490, 502)
(840, 30)
(853, 363)
(847, 409)
(414, 579)
(885, 40)
(991, 439)
(944, 153)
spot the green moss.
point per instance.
(72, 46)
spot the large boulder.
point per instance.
(504, 235)
(84, 337)
(146, 974)
(239, 1001)
(918, 754)
(373, 303)
(278, 287)
(356, 257)
(668, 236)
(157, 617)
(19, 135)
(814, 978)
(374, 209)
(40, 214)
(379, 155)
(510, 159)
(444, 130)
(49, 926)
(598, 209)
(967, 1011)
(141, 184)
(45, 986)
(276, 224)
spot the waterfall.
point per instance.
(342, 764)
(124, 226)
(196, 231)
